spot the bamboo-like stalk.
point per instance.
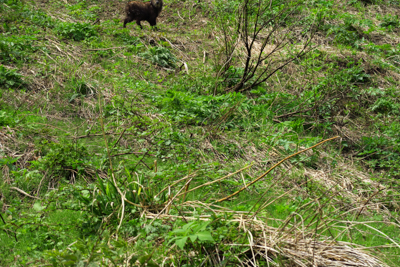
(273, 167)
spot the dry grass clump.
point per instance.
(292, 246)
(9, 144)
(299, 248)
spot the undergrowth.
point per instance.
(189, 145)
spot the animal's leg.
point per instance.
(153, 24)
(127, 20)
(138, 23)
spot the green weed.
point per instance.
(76, 31)
(16, 48)
(63, 160)
(195, 233)
(10, 78)
(112, 141)
(160, 56)
(390, 22)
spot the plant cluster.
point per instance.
(16, 48)
(161, 56)
(76, 31)
(10, 78)
(240, 133)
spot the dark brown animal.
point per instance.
(140, 11)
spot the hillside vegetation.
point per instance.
(236, 133)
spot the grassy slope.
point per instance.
(84, 93)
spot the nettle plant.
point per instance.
(161, 56)
(194, 233)
(76, 31)
(63, 160)
(81, 10)
(390, 22)
(10, 78)
(16, 48)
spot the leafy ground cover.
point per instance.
(239, 133)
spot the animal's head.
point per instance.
(157, 3)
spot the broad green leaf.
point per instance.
(179, 231)
(145, 259)
(205, 236)
(181, 242)
(193, 237)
